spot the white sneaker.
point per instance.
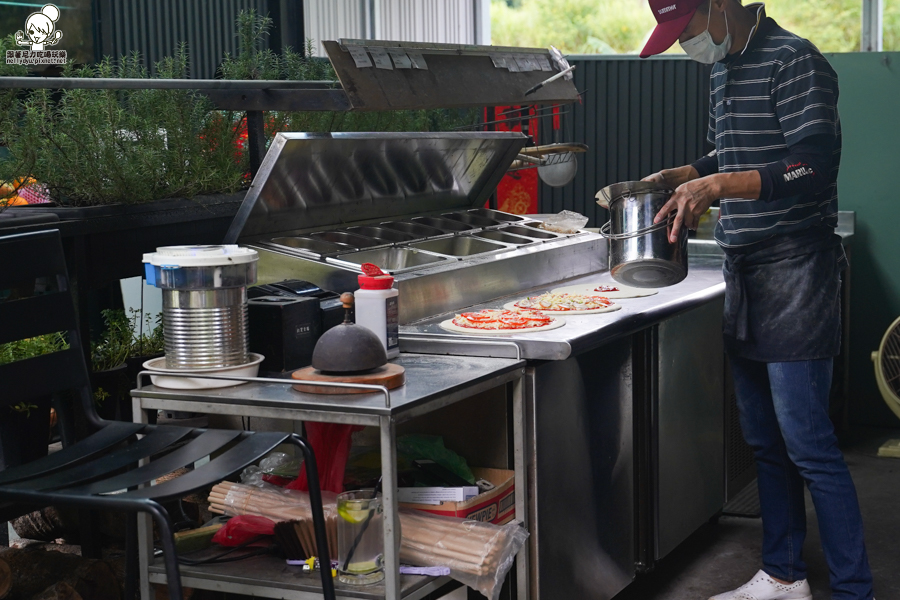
(763, 587)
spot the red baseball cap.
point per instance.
(672, 17)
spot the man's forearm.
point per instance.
(743, 184)
(677, 176)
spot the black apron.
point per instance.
(783, 298)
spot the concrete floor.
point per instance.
(725, 555)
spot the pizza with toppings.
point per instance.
(501, 321)
(572, 304)
(612, 290)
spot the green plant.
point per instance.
(115, 344)
(100, 395)
(95, 147)
(148, 339)
(31, 347)
(256, 61)
(23, 408)
(120, 146)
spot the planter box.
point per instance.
(106, 243)
(24, 438)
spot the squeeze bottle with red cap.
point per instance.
(377, 307)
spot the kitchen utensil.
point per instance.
(159, 378)
(348, 348)
(390, 376)
(640, 253)
(563, 73)
(204, 303)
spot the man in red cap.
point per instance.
(777, 135)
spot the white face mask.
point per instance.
(703, 49)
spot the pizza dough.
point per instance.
(624, 290)
(554, 313)
(448, 325)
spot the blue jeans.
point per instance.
(784, 416)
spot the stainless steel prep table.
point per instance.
(432, 383)
(624, 423)
(581, 332)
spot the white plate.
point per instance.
(554, 313)
(158, 365)
(449, 326)
(624, 290)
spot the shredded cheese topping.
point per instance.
(564, 302)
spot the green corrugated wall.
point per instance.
(869, 184)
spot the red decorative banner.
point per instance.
(517, 192)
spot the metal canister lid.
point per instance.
(201, 256)
(201, 267)
(610, 193)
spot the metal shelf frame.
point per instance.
(433, 382)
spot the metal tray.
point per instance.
(475, 220)
(447, 225)
(309, 246)
(505, 238)
(382, 234)
(392, 260)
(342, 237)
(532, 232)
(416, 229)
(495, 214)
(459, 245)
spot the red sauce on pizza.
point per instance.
(502, 319)
(606, 288)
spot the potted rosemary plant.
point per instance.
(25, 427)
(109, 375)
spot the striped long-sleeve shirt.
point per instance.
(779, 91)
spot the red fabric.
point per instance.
(672, 16)
(331, 444)
(277, 479)
(517, 192)
(243, 528)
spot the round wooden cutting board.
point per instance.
(390, 376)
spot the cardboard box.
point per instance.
(437, 495)
(497, 506)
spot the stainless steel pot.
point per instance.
(640, 253)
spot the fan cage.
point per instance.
(890, 360)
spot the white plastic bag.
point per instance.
(479, 554)
(565, 222)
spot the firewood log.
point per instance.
(59, 591)
(27, 572)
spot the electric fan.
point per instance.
(887, 373)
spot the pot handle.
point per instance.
(604, 231)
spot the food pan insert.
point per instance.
(393, 260)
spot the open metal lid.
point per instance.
(312, 180)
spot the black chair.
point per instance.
(85, 474)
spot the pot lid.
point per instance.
(315, 180)
(626, 188)
(200, 256)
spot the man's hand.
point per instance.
(691, 200)
(674, 177)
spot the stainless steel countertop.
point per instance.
(431, 381)
(704, 245)
(581, 332)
